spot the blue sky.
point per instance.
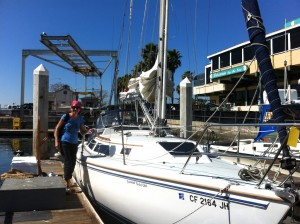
(197, 28)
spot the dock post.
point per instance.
(40, 112)
(186, 115)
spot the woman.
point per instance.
(68, 144)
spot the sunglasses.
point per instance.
(75, 108)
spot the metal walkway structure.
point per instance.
(73, 59)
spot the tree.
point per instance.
(58, 86)
(173, 63)
(123, 83)
(187, 74)
(104, 99)
(149, 55)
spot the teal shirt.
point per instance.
(71, 129)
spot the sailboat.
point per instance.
(145, 175)
(266, 142)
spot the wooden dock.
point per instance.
(78, 209)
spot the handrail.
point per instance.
(231, 125)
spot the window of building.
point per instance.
(215, 63)
(250, 96)
(269, 45)
(236, 56)
(208, 70)
(248, 54)
(240, 98)
(199, 80)
(279, 44)
(295, 37)
(224, 60)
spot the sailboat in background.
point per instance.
(266, 142)
(149, 176)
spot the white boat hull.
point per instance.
(168, 197)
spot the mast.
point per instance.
(162, 65)
(287, 96)
(257, 38)
(165, 63)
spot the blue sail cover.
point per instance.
(265, 116)
(257, 38)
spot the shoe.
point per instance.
(68, 183)
(57, 154)
(70, 191)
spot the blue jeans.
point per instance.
(69, 151)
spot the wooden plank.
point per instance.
(55, 166)
(78, 209)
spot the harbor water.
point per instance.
(10, 146)
(6, 155)
(7, 148)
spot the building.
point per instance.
(61, 98)
(227, 66)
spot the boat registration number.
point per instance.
(208, 202)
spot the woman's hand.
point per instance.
(90, 130)
(57, 145)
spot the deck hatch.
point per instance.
(178, 148)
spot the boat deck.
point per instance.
(77, 207)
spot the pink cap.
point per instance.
(76, 103)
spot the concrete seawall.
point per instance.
(222, 132)
(6, 122)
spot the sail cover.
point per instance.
(147, 83)
(257, 38)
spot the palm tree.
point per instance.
(173, 60)
(149, 54)
(187, 74)
(173, 63)
(123, 83)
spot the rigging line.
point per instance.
(113, 81)
(244, 120)
(195, 36)
(222, 103)
(122, 28)
(187, 36)
(129, 37)
(142, 32)
(154, 21)
(76, 82)
(113, 32)
(208, 21)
